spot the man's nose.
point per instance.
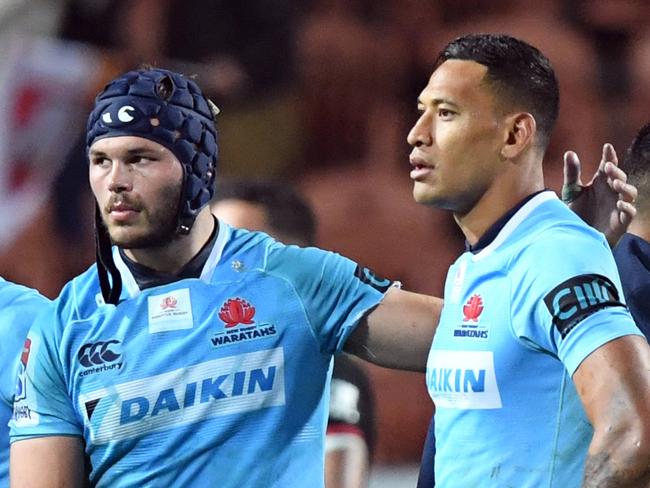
(120, 178)
(420, 134)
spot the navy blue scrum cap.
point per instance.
(170, 109)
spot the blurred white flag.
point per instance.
(44, 87)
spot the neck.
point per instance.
(640, 227)
(506, 191)
(173, 256)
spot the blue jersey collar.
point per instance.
(493, 231)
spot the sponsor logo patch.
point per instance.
(23, 415)
(171, 311)
(21, 381)
(463, 379)
(100, 356)
(577, 298)
(242, 383)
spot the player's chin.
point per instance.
(424, 194)
(128, 237)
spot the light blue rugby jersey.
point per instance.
(19, 306)
(218, 381)
(499, 371)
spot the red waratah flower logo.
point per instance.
(237, 311)
(168, 302)
(472, 309)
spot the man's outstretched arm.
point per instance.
(398, 332)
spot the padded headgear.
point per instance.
(170, 109)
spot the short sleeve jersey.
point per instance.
(216, 381)
(519, 318)
(19, 306)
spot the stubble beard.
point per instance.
(162, 223)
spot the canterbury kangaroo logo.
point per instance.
(97, 353)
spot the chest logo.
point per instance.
(463, 379)
(471, 326)
(236, 311)
(472, 309)
(171, 311)
(168, 303)
(238, 325)
(97, 357)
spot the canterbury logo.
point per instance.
(124, 114)
(97, 353)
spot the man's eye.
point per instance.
(444, 113)
(142, 159)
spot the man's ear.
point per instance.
(520, 133)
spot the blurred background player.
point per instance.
(19, 306)
(632, 253)
(275, 207)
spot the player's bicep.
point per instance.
(47, 462)
(399, 331)
(613, 383)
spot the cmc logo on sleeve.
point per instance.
(223, 386)
(367, 276)
(577, 298)
(463, 379)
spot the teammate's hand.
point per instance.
(607, 201)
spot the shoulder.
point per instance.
(564, 256)
(554, 235)
(11, 293)
(19, 297)
(80, 297)
(254, 249)
(20, 306)
(263, 252)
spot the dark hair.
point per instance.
(520, 74)
(636, 164)
(289, 215)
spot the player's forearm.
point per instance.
(621, 463)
